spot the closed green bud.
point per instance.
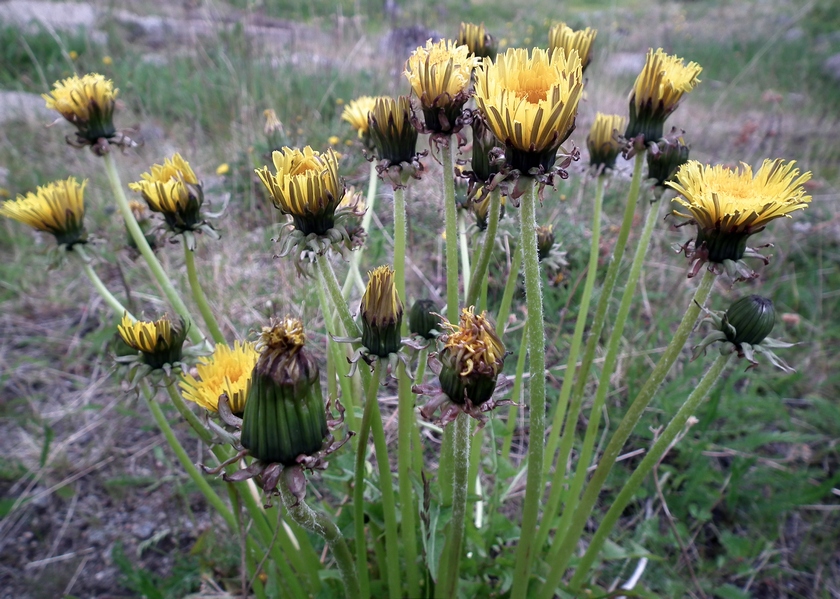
(285, 416)
(423, 318)
(471, 359)
(752, 317)
(391, 130)
(382, 312)
(545, 241)
(665, 157)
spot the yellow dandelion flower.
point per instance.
(382, 312)
(306, 187)
(56, 208)
(333, 140)
(657, 92)
(563, 36)
(730, 205)
(173, 190)
(476, 38)
(356, 113)
(530, 103)
(223, 169)
(160, 342)
(602, 140)
(87, 102)
(439, 73)
(227, 371)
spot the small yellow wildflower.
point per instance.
(87, 102)
(227, 371)
(173, 190)
(223, 169)
(160, 342)
(56, 208)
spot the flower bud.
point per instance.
(285, 416)
(752, 318)
(602, 140)
(160, 342)
(423, 319)
(391, 130)
(382, 312)
(545, 241)
(665, 157)
(476, 38)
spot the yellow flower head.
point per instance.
(439, 73)
(476, 38)
(382, 312)
(223, 169)
(173, 189)
(602, 139)
(563, 36)
(306, 187)
(87, 102)
(730, 205)
(356, 113)
(391, 130)
(530, 103)
(160, 342)
(657, 92)
(56, 208)
(227, 371)
(472, 358)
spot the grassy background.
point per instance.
(745, 506)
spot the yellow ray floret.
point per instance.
(563, 36)
(227, 371)
(530, 101)
(165, 186)
(75, 97)
(664, 79)
(381, 305)
(440, 71)
(736, 201)
(356, 113)
(474, 343)
(306, 181)
(56, 208)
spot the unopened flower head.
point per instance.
(665, 157)
(87, 102)
(306, 187)
(424, 319)
(657, 92)
(392, 132)
(439, 73)
(382, 313)
(285, 415)
(530, 101)
(227, 371)
(563, 36)
(471, 359)
(545, 241)
(56, 208)
(160, 342)
(476, 38)
(602, 140)
(173, 190)
(481, 208)
(728, 206)
(485, 144)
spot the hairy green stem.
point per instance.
(651, 459)
(195, 334)
(510, 287)
(416, 442)
(536, 399)
(515, 394)
(480, 270)
(399, 246)
(200, 298)
(100, 287)
(371, 400)
(613, 346)
(408, 508)
(450, 218)
(562, 548)
(330, 282)
(450, 568)
(465, 248)
(324, 527)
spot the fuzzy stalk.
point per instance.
(479, 274)
(651, 459)
(515, 394)
(408, 509)
(510, 287)
(100, 287)
(195, 334)
(562, 548)
(536, 399)
(324, 527)
(200, 298)
(465, 248)
(451, 220)
(400, 231)
(330, 283)
(371, 400)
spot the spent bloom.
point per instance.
(530, 103)
(88, 103)
(56, 208)
(228, 372)
(476, 38)
(439, 73)
(563, 36)
(727, 206)
(657, 92)
(602, 140)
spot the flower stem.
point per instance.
(205, 435)
(480, 270)
(451, 218)
(371, 399)
(577, 336)
(406, 435)
(100, 287)
(416, 443)
(510, 287)
(515, 395)
(536, 400)
(562, 548)
(195, 334)
(353, 274)
(200, 298)
(465, 248)
(324, 527)
(450, 568)
(651, 459)
(330, 282)
(610, 360)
